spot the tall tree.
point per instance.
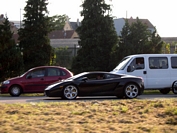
(63, 57)
(34, 41)
(57, 22)
(155, 43)
(124, 46)
(136, 39)
(11, 63)
(97, 37)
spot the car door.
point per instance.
(138, 67)
(35, 81)
(53, 75)
(95, 86)
(158, 76)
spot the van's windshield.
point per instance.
(122, 64)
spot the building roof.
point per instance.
(15, 37)
(61, 34)
(144, 21)
(58, 34)
(74, 25)
(70, 43)
(169, 39)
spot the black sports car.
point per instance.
(97, 84)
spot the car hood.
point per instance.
(15, 78)
(58, 83)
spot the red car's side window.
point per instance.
(36, 73)
(54, 72)
(63, 73)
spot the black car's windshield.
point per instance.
(76, 76)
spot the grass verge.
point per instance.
(119, 116)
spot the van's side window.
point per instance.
(137, 63)
(174, 62)
(158, 62)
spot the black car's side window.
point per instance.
(94, 76)
(109, 76)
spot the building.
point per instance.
(71, 25)
(172, 41)
(119, 24)
(18, 24)
(63, 34)
(169, 40)
(65, 38)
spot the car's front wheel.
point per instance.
(131, 91)
(15, 90)
(70, 92)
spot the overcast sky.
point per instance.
(161, 13)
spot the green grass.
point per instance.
(116, 116)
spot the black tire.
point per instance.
(131, 91)
(15, 91)
(165, 91)
(70, 92)
(174, 87)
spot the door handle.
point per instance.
(144, 72)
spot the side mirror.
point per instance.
(129, 69)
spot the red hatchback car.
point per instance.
(34, 80)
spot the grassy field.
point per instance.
(109, 116)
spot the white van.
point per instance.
(159, 71)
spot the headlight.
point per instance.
(6, 82)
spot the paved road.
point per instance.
(27, 99)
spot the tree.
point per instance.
(124, 46)
(137, 39)
(34, 41)
(63, 57)
(57, 22)
(97, 37)
(11, 63)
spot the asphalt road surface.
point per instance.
(34, 99)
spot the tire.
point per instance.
(70, 92)
(131, 91)
(174, 87)
(165, 91)
(15, 91)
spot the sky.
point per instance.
(161, 13)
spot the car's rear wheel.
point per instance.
(165, 91)
(70, 92)
(15, 91)
(131, 91)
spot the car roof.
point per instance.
(101, 72)
(47, 67)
